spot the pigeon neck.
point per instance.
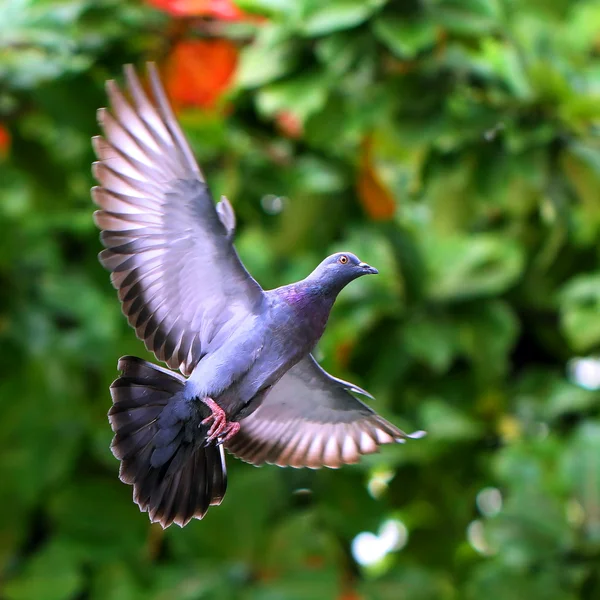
(325, 287)
(312, 305)
(310, 294)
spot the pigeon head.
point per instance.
(339, 269)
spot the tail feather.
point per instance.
(174, 477)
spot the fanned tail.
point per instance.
(174, 478)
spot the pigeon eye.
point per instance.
(343, 259)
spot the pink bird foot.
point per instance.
(221, 428)
(231, 428)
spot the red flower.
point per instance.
(199, 72)
(219, 9)
(4, 141)
(289, 124)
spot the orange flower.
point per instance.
(219, 9)
(198, 72)
(289, 124)
(4, 141)
(375, 197)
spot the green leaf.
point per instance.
(416, 582)
(507, 64)
(299, 543)
(581, 163)
(432, 340)
(580, 311)
(445, 422)
(532, 524)
(325, 17)
(320, 585)
(99, 519)
(44, 40)
(196, 581)
(302, 96)
(53, 573)
(565, 397)
(271, 55)
(274, 9)
(467, 17)
(405, 37)
(487, 333)
(498, 582)
(462, 267)
(580, 468)
(318, 176)
(342, 51)
(116, 581)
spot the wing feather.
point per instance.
(311, 419)
(168, 246)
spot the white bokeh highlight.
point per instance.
(369, 549)
(585, 372)
(489, 501)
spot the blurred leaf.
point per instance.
(469, 17)
(412, 581)
(271, 55)
(270, 8)
(582, 167)
(37, 453)
(498, 583)
(487, 334)
(405, 38)
(192, 582)
(462, 267)
(565, 397)
(98, 519)
(41, 41)
(299, 544)
(579, 314)
(318, 176)
(580, 468)
(532, 524)
(433, 341)
(115, 581)
(53, 574)
(320, 586)
(321, 18)
(504, 61)
(302, 96)
(444, 422)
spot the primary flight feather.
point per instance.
(251, 384)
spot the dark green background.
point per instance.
(483, 117)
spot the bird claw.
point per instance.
(231, 428)
(220, 429)
(217, 417)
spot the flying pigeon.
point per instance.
(249, 382)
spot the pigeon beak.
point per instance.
(368, 268)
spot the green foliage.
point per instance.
(481, 118)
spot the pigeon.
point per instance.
(247, 380)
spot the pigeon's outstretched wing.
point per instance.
(310, 419)
(169, 248)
